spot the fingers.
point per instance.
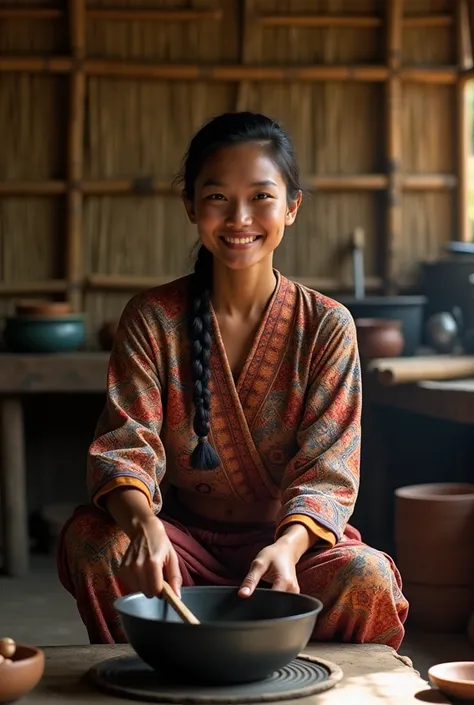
(286, 584)
(258, 568)
(173, 573)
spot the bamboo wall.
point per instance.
(97, 105)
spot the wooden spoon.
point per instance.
(177, 604)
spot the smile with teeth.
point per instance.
(240, 240)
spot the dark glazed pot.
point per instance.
(238, 641)
(379, 337)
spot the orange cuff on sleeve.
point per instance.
(318, 531)
(121, 481)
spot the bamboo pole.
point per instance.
(47, 286)
(350, 21)
(117, 282)
(151, 14)
(464, 226)
(236, 73)
(231, 73)
(36, 64)
(429, 182)
(446, 75)
(77, 87)
(393, 143)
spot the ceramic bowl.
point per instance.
(239, 640)
(455, 679)
(44, 334)
(22, 675)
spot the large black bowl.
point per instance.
(239, 640)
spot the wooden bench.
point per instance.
(373, 675)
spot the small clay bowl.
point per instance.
(22, 675)
(455, 679)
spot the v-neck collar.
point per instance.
(239, 385)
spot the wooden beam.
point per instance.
(113, 68)
(236, 72)
(77, 90)
(149, 14)
(155, 187)
(393, 140)
(350, 21)
(36, 64)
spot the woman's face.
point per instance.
(240, 206)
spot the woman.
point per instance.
(228, 451)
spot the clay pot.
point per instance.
(22, 675)
(107, 334)
(379, 337)
(40, 307)
(434, 555)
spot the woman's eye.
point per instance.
(262, 196)
(215, 196)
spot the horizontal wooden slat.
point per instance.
(152, 14)
(350, 21)
(36, 64)
(154, 187)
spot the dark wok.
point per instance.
(239, 639)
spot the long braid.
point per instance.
(203, 457)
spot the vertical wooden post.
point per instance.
(393, 141)
(77, 86)
(463, 230)
(246, 27)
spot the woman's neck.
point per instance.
(243, 293)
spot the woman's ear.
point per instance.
(189, 205)
(292, 209)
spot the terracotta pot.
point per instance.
(432, 523)
(379, 337)
(40, 307)
(439, 609)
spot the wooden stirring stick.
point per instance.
(179, 606)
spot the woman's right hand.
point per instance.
(149, 558)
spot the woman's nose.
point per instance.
(238, 214)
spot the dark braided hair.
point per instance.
(224, 130)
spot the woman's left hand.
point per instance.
(275, 564)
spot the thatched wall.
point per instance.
(140, 128)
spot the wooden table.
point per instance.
(21, 375)
(84, 373)
(372, 674)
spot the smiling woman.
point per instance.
(241, 391)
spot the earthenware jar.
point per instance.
(379, 337)
(434, 524)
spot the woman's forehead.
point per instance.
(247, 163)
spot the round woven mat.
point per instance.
(130, 677)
